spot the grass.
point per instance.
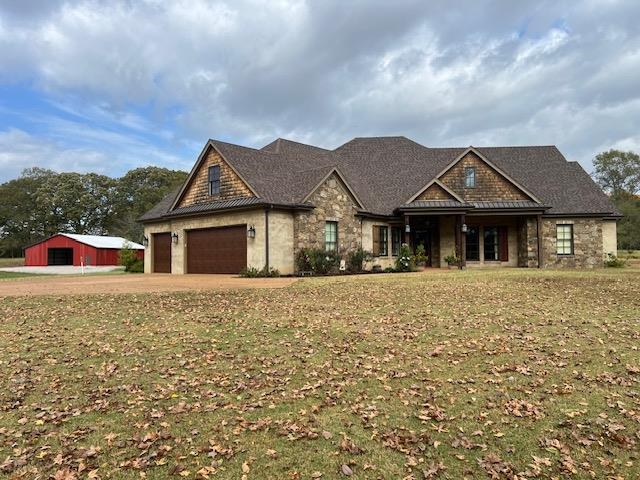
(11, 262)
(474, 374)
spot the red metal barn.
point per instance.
(72, 249)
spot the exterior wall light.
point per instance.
(251, 232)
(145, 241)
(465, 229)
(407, 228)
(174, 237)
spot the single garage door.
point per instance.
(162, 252)
(217, 250)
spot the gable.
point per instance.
(333, 185)
(197, 189)
(333, 190)
(491, 185)
(435, 192)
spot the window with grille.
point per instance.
(564, 239)
(214, 180)
(331, 236)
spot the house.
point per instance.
(73, 249)
(498, 206)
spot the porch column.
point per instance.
(463, 243)
(457, 225)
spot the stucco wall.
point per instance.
(587, 243)
(609, 237)
(280, 238)
(367, 244)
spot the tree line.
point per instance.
(41, 203)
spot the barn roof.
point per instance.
(100, 241)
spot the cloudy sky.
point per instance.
(107, 86)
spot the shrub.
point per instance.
(128, 258)
(250, 272)
(612, 261)
(356, 259)
(317, 261)
(405, 261)
(451, 259)
(253, 272)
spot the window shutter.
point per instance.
(503, 233)
(376, 240)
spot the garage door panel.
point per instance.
(217, 250)
(162, 252)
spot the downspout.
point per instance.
(266, 235)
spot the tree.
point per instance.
(77, 203)
(629, 224)
(617, 172)
(21, 220)
(138, 191)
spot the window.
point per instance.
(214, 180)
(473, 243)
(470, 177)
(331, 236)
(564, 239)
(396, 240)
(491, 244)
(380, 241)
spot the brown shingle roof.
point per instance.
(384, 172)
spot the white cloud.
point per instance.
(443, 73)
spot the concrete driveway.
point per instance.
(132, 283)
(61, 270)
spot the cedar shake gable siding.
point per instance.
(231, 185)
(435, 192)
(490, 185)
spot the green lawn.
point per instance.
(435, 375)
(10, 275)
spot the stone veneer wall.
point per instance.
(528, 242)
(231, 185)
(490, 185)
(587, 243)
(332, 202)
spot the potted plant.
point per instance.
(421, 258)
(452, 260)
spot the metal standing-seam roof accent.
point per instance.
(217, 205)
(509, 204)
(435, 204)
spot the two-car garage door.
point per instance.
(217, 250)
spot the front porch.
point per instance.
(477, 238)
